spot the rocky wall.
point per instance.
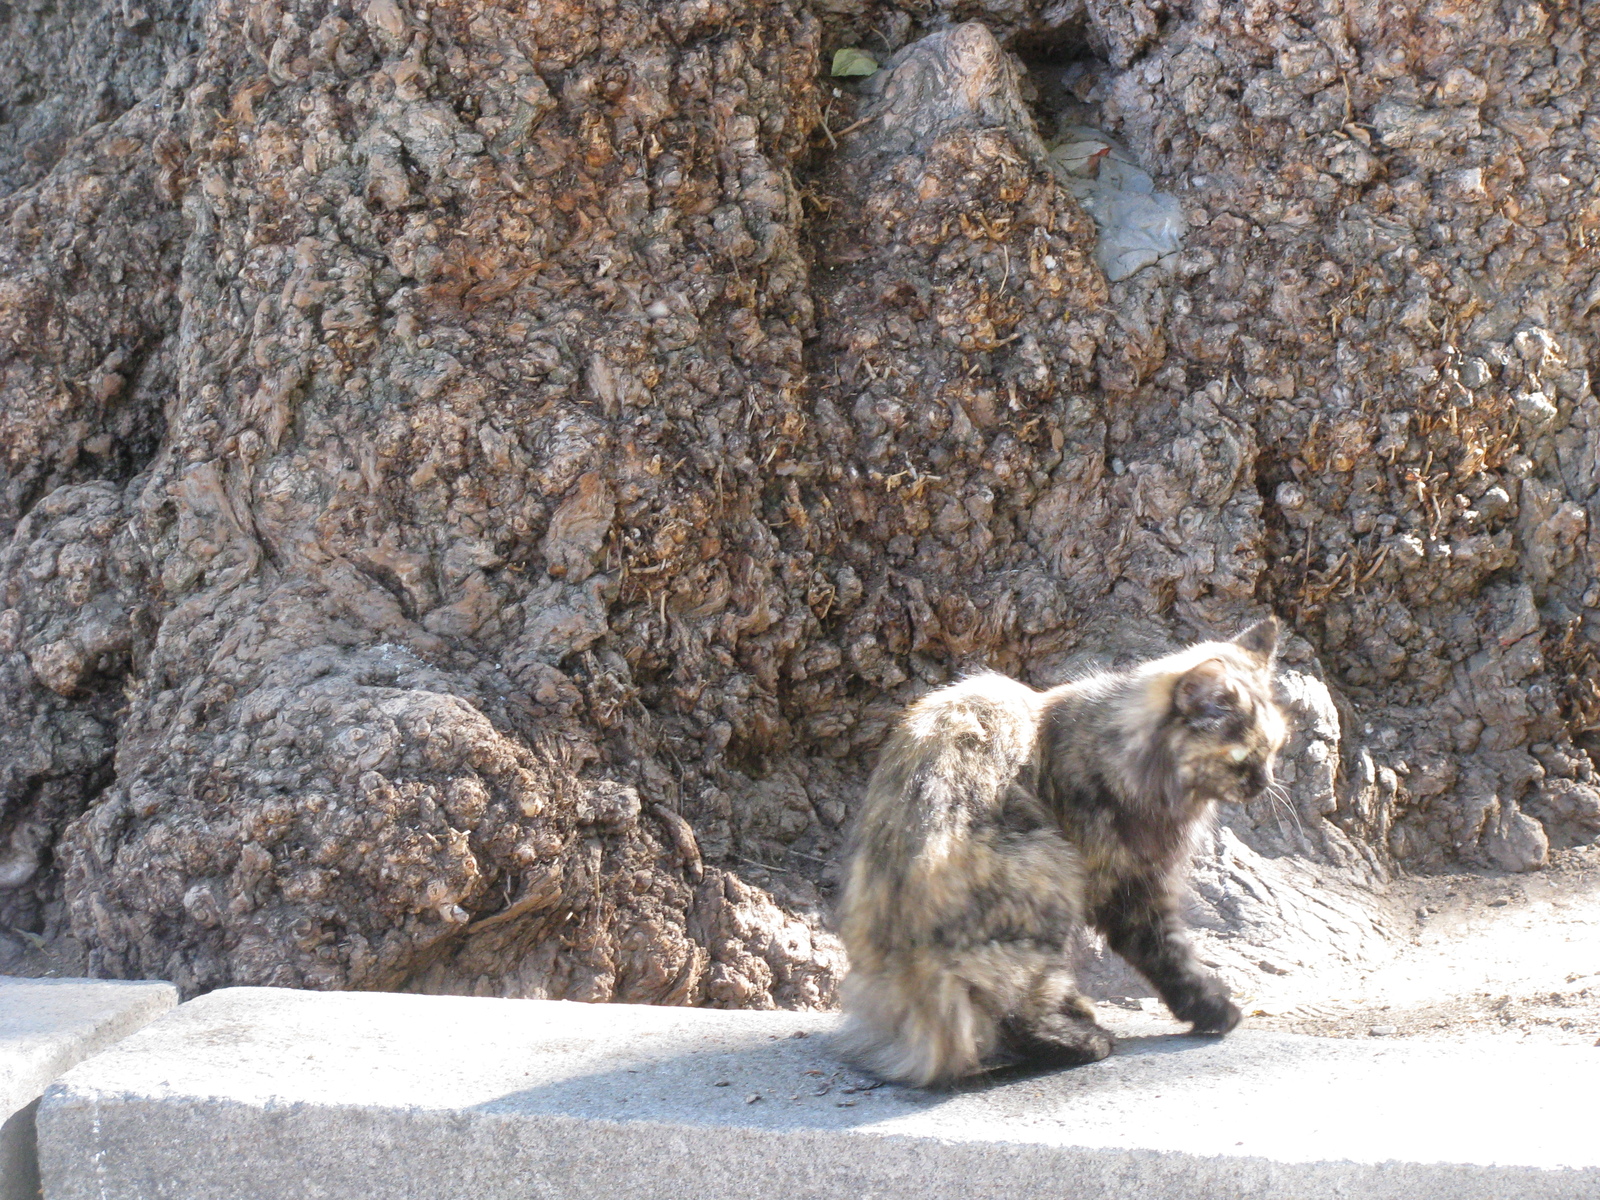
(510, 464)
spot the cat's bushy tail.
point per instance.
(945, 824)
(919, 1028)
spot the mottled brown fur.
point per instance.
(1001, 820)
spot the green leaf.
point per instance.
(850, 61)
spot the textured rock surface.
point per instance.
(480, 481)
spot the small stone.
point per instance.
(1290, 496)
(1536, 408)
(1459, 86)
(752, 1098)
(1474, 373)
(60, 666)
(1382, 1031)
(845, 1103)
(1494, 504)
(720, 1083)
(1408, 550)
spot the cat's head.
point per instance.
(1223, 727)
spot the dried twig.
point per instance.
(851, 128)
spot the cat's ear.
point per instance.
(1260, 640)
(1205, 690)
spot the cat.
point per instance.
(1001, 820)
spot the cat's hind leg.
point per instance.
(1056, 1029)
(1059, 1040)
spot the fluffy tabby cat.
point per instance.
(1000, 820)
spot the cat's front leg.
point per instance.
(1140, 921)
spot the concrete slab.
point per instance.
(250, 1093)
(47, 1026)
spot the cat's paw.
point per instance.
(1211, 1011)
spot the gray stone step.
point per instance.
(250, 1093)
(47, 1026)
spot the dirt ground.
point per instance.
(1490, 955)
(1487, 956)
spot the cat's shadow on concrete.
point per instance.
(798, 1082)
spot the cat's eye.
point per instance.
(1238, 754)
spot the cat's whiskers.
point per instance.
(1279, 796)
